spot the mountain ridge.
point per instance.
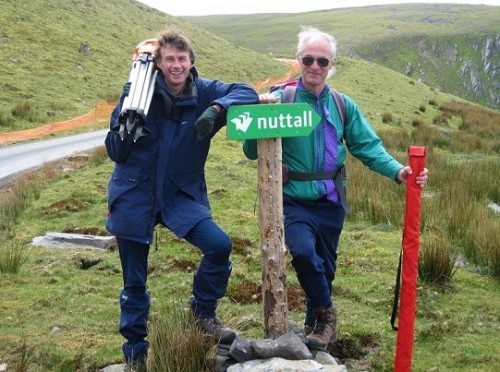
(413, 39)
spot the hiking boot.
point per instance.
(325, 328)
(308, 329)
(214, 328)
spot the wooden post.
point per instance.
(272, 237)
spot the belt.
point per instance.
(336, 176)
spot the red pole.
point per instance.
(404, 346)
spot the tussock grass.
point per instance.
(437, 260)
(176, 343)
(372, 196)
(386, 117)
(442, 118)
(23, 358)
(6, 119)
(23, 110)
(12, 256)
(396, 140)
(482, 239)
(457, 209)
(98, 157)
(478, 129)
(23, 190)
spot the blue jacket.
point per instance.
(162, 174)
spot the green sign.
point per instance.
(271, 121)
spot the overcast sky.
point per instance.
(211, 7)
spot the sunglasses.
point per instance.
(309, 61)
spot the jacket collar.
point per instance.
(189, 90)
(301, 88)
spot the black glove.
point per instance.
(205, 123)
(126, 88)
(125, 91)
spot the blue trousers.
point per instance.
(312, 232)
(209, 285)
(134, 299)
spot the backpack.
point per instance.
(290, 91)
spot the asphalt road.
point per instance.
(18, 158)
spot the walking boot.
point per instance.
(308, 329)
(310, 319)
(216, 329)
(211, 326)
(325, 328)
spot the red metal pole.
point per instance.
(409, 273)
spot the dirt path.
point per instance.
(294, 69)
(102, 112)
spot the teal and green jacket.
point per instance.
(324, 150)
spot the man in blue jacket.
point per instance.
(314, 197)
(160, 179)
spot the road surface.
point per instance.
(18, 158)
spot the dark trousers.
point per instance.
(209, 285)
(134, 299)
(312, 232)
(212, 276)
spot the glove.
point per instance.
(126, 88)
(205, 123)
(125, 92)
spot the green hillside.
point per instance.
(63, 57)
(452, 47)
(59, 308)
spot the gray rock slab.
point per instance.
(65, 240)
(288, 346)
(284, 365)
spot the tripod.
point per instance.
(136, 104)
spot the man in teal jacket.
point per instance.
(159, 178)
(313, 203)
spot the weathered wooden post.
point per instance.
(268, 123)
(272, 238)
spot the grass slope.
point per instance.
(63, 57)
(60, 312)
(435, 40)
(350, 26)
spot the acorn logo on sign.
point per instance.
(271, 121)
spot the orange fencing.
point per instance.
(102, 112)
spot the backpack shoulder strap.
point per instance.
(289, 93)
(340, 103)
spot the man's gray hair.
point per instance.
(311, 34)
(308, 33)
